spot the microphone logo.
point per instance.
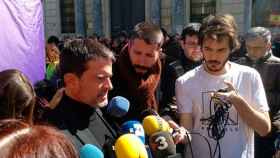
(161, 143)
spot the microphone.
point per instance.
(162, 145)
(153, 124)
(130, 146)
(90, 151)
(134, 127)
(118, 106)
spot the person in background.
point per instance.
(259, 56)
(19, 139)
(190, 57)
(52, 57)
(137, 74)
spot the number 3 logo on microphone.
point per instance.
(162, 143)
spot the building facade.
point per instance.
(108, 17)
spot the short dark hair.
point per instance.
(190, 30)
(149, 32)
(220, 26)
(19, 139)
(53, 39)
(77, 52)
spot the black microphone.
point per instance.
(162, 145)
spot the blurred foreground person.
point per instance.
(21, 140)
(17, 96)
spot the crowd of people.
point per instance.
(202, 94)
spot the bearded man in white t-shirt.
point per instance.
(226, 118)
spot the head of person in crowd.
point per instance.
(165, 35)
(52, 51)
(17, 96)
(86, 67)
(21, 140)
(190, 42)
(258, 42)
(144, 46)
(218, 38)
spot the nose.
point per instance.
(108, 84)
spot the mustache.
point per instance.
(140, 67)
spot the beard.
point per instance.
(140, 70)
(215, 66)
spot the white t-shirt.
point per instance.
(193, 96)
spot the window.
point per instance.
(266, 13)
(67, 13)
(201, 9)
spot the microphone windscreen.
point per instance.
(153, 124)
(130, 146)
(162, 145)
(90, 151)
(134, 127)
(118, 106)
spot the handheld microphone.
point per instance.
(134, 127)
(118, 106)
(130, 146)
(90, 151)
(162, 145)
(153, 124)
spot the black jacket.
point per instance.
(171, 72)
(269, 69)
(83, 124)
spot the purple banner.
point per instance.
(22, 37)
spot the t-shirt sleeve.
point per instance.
(183, 98)
(259, 97)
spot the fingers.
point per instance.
(229, 84)
(173, 124)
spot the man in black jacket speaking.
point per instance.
(86, 68)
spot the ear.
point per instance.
(71, 81)
(182, 43)
(268, 46)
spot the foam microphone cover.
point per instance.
(153, 124)
(90, 151)
(162, 145)
(130, 146)
(118, 106)
(134, 127)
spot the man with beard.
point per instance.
(86, 67)
(137, 70)
(137, 73)
(221, 100)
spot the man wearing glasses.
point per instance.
(190, 57)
